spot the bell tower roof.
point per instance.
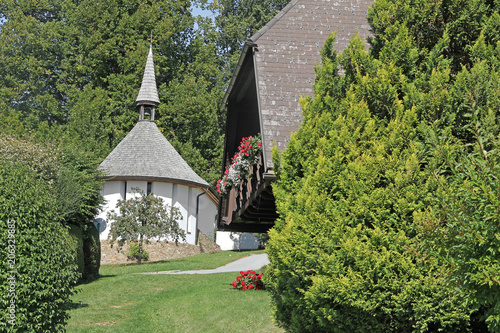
(148, 94)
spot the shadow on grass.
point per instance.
(147, 263)
(93, 279)
(75, 305)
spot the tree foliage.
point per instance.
(238, 20)
(349, 252)
(463, 229)
(67, 72)
(38, 265)
(142, 218)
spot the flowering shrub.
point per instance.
(248, 154)
(248, 280)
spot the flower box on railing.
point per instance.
(249, 152)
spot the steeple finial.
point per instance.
(148, 94)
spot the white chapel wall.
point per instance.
(207, 215)
(177, 195)
(112, 191)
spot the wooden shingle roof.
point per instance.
(146, 154)
(148, 93)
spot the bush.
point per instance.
(76, 245)
(42, 191)
(248, 280)
(133, 252)
(38, 271)
(347, 253)
(463, 230)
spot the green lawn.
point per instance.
(122, 302)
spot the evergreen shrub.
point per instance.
(349, 252)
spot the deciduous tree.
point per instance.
(142, 218)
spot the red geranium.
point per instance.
(248, 154)
(248, 280)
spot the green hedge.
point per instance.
(76, 244)
(35, 289)
(86, 247)
(344, 253)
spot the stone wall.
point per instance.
(157, 250)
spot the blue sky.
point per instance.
(198, 11)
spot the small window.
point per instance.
(148, 191)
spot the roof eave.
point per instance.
(252, 42)
(247, 46)
(107, 177)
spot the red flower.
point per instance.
(259, 276)
(234, 284)
(259, 144)
(244, 288)
(250, 286)
(238, 278)
(243, 283)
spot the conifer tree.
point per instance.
(350, 251)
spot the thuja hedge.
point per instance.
(37, 272)
(350, 251)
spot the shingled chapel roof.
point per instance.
(145, 153)
(148, 92)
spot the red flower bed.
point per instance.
(248, 280)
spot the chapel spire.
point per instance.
(148, 94)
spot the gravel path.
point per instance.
(253, 262)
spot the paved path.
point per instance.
(253, 262)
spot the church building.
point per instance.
(145, 159)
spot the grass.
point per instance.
(122, 302)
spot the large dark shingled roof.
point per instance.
(146, 154)
(287, 49)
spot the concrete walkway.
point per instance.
(252, 263)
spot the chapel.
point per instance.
(145, 159)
